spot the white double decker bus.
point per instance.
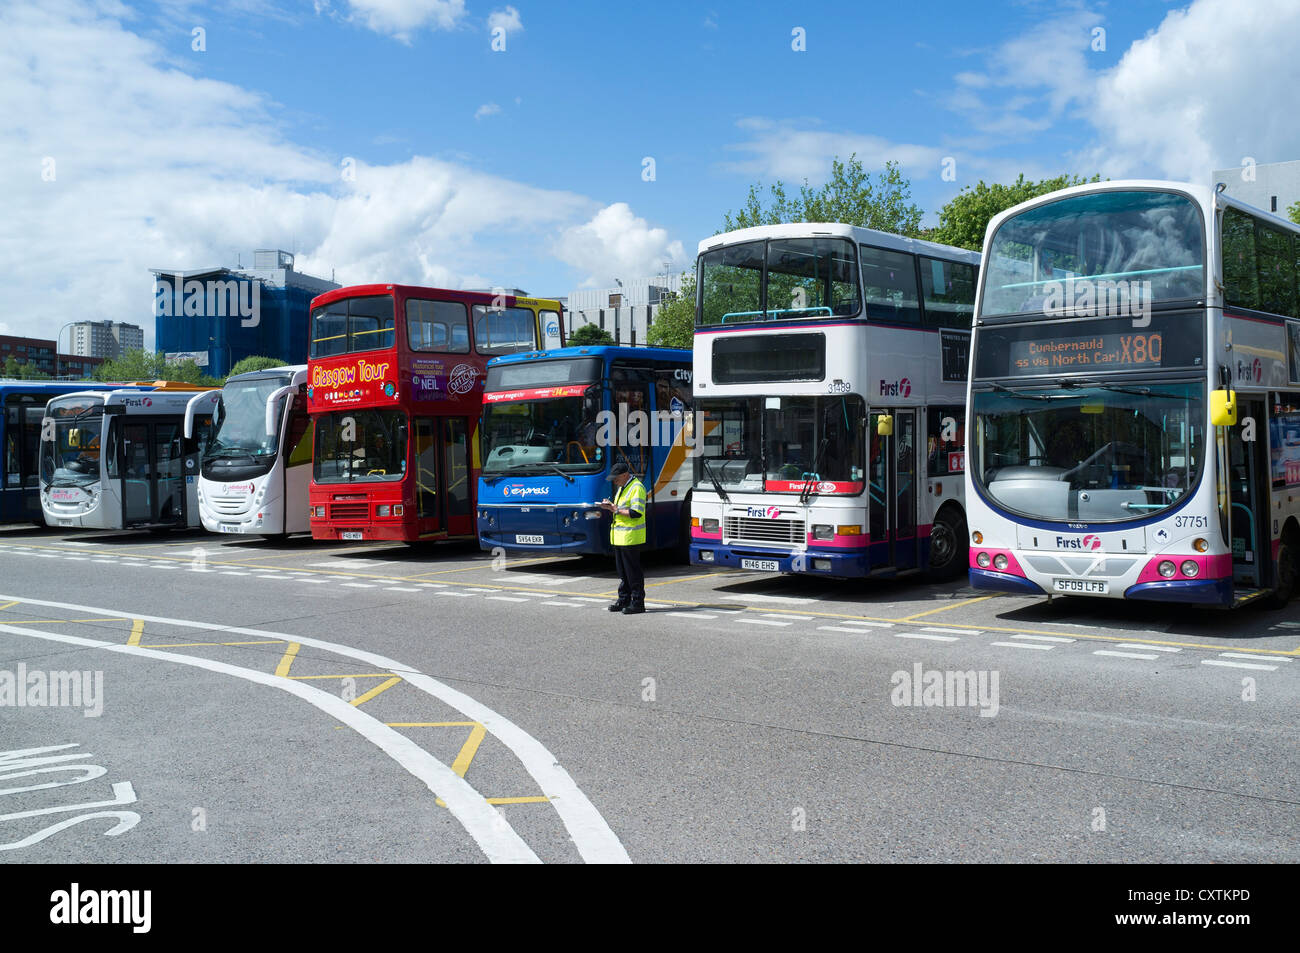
(830, 379)
(119, 460)
(1135, 398)
(257, 467)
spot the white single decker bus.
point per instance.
(257, 467)
(830, 381)
(119, 459)
(1135, 398)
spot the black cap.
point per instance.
(618, 469)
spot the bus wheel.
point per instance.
(1286, 577)
(948, 544)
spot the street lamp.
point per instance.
(56, 346)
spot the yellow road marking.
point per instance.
(539, 799)
(286, 660)
(9, 605)
(951, 605)
(137, 630)
(190, 645)
(381, 687)
(469, 749)
(366, 675)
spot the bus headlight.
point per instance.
(710, 526)
(383, 510)
(317, 511)
(592, 514)
(1190, 567)
(983, 560)
(1000, 561)
(1166, 568)
(822, 531)
(1200, 545)
(706, 555)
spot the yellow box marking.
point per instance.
(951, 605)
(9, 605)
(381, 687)
(469, 749)
(537, 799)
(286, 660)
(366, 675)
(137, 630)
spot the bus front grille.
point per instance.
(348, 511)
(745, 529)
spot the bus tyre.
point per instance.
(948, 544)
(1286, 577)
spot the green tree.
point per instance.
(964, 219)
(142, 365)
(1294, 213)
(254, 363)
(674, 325)
(590, 335)
(22, 370)
(849, 196)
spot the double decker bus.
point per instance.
(255, 472)
(1135, 398)
(22, 408)
(830, 380)
(119, 459)
(394, 390)
(553, 424)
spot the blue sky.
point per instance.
(524, 167)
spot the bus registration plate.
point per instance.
(530, 540)
(766, 565)
(230, 527)
(1094, 586)
(350, 535)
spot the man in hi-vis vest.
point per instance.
(627, 533)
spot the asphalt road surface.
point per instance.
(239, 700)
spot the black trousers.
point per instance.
(631, 580)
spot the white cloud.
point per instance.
(615, 243)
(400, 18)
(156, 168)
(507, 19)
(1213, 83)
(487, 109)
(790, 150)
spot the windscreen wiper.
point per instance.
(813, 476)
(708, 471)
(1016, 393)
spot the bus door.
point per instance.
(443, 490)
(152, 468)
(1248, 491)
(891, 509)
(21, 428)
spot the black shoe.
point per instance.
(634, 609)
(617, 606)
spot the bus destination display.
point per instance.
(1046, 355)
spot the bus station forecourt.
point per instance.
(931, 536)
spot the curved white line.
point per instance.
(592, 836)
(497, 839)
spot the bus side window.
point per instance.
(945, 440)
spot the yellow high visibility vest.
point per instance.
(629, 530)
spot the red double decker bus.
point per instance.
(394, 389)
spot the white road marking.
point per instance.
(400, 589)
(359, 585)
(587, 599)
(869, 625)
(431, 585)
(1044, 638)
(557, 602)
(1257, 658)
(1215, 661)
(763, 622)
(840, 628)
(782, 615)
(1024, 645)
(452, 592)
(314, 582)
(508, 598)
(939, 628)
(81, 559)
(929, 638)
(478, 589)
(693, 615)
(234, 572)
(1146, 648)
(587, 828)
(1126, 654)
(494, 836)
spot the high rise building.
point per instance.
(105, 338)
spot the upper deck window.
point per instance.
(778, 279)
(889, 284)
(1083, 254)
(504, 330)
(441, 326)
(352, 324)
